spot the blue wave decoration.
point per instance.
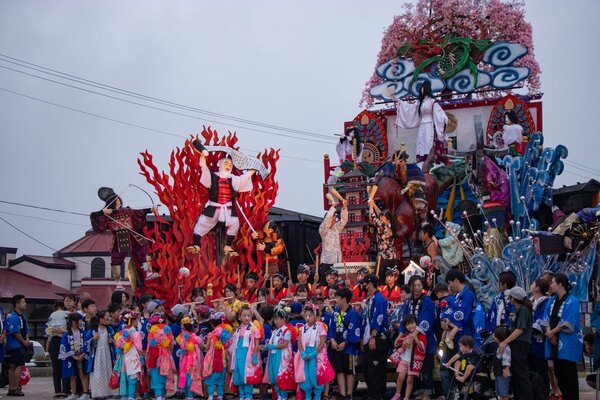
(397, 74)
(383, 90)
(396, 69)
(464, 81)
(507, 77)
(503, 54)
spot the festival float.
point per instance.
(452, 135)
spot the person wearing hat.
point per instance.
(375, 337)
(302, 274)
(223, 187)
(251, 288)
(127, 226)
(156, 306)
(330, 230)
(391, 290)
(278, 291)
(520, 343)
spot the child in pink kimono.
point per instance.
(159, 359)
(190, 360)
(312, 352)
(128, 342)
(215, 361)
(244, 353)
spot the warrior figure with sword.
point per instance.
(127, 226)
(223, 187)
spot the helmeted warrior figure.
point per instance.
(127, 226)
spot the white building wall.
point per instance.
(58, 277)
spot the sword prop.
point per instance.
(245, 218)
(239, 159)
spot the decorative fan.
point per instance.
(584, 232)
(371, 153)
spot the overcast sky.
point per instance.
(296, 64)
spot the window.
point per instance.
(2, 259)
(98, 268)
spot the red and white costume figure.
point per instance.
(223, 187)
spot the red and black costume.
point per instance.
(127, 226)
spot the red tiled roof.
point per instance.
(14, 282)
(101, 293)
(46, 262)
(92, 244)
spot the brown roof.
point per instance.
(43, 261)
(14, 282)
(93, 244)
(101, 293)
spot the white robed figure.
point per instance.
(223, 187)
(428, 115)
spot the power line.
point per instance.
(163, 109)
(582, 167)
(43, 208)
(28, 235)
(124, 122)
(576, 174)
(40, 242)
(42, 219)
(99, 85)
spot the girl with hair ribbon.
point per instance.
(280, 363)
(215, 360)
(244, 353)
(159, 359)
(190, 360)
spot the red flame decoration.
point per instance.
(181, 192)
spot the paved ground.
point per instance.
(40, 388)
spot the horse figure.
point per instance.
(404, 221)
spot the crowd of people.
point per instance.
(310, 340)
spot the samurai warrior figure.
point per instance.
(223, 186)
(127, 226)
(410, 176)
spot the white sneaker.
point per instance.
(71, 397)
(84, 396)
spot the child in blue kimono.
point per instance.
(73, 355)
